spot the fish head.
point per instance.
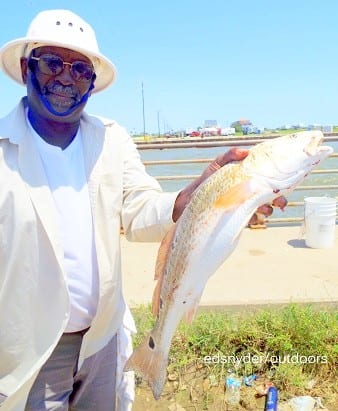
(285, 161)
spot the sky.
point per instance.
(273, 62)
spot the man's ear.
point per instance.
(24, 68)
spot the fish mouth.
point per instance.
(313, 145)
(315, 149)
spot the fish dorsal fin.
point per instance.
(235, 196)
(161, 260)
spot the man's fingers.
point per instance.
(280, 202)
(234, 154)
(265, 209)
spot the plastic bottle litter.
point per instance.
(233, 388)
(271, 402)
(303, 403)
(249, 380)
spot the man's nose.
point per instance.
(65, 77)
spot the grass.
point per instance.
(295, 346)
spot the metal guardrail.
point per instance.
(234, 143)
(213, 142)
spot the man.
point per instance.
(68, 180)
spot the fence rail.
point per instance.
(233, 142)
(213, 142)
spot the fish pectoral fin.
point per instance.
(161, 260)
(156, 300)
(191, 311)
(163, 252)
(190, 315)
(235, 196)
(241, 226)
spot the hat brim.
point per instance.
(11, 53)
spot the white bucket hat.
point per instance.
(60, 28)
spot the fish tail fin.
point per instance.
(151, 363)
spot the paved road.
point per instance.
(269, 266)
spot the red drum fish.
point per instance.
(208, 231)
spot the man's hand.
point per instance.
(234, 154)
(183, 198)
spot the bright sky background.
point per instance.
(271, 61)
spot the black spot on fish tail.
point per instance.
(151, 343)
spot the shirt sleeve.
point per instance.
(147, 210)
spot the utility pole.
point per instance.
(144, 120)
(158, 124)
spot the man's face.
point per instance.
(55, 90)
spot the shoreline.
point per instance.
(211, 141)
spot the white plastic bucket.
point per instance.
(320, 221)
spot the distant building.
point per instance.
(239, 124)
(327, 129)
(242, 122)
(298, 126)
(252, 130)
(324, 128)
(228, 131)
(247, 129)
(210, 123)
(285, 127)
(259, 130)
(314, 127)
(210, 131)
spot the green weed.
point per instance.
(294, 346)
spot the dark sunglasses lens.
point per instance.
(82, 71)
(50, 65)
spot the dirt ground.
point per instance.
(198, 393)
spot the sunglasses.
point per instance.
(54, 65)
